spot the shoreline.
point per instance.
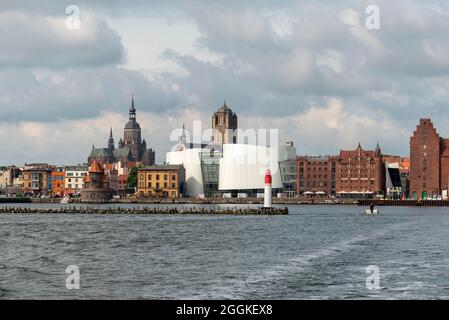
(145, 211)
(239, 201)
(211, 201)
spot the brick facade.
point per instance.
(429, 161)
(316, 174)
(360, 171)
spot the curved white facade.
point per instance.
(190, 158)
(243, 167)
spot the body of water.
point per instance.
(316, 252)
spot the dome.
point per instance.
(132, 125)
(224, 108)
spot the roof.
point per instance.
(95, 168)
(158, 167)
(101, 152)
(132, 124)
(121, 152)
(224, 108)
(123, 177)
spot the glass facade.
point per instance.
(210, 163)
(288, 176)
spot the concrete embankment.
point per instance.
(144, 210)
(404, 203)
(14, 200)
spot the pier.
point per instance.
(145, 210)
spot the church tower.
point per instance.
(224, 126)
(111, 141)
(132, 133)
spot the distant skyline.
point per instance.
(309, 68)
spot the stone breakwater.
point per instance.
(145, 210)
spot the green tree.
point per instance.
(132, 177)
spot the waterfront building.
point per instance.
(74, 178)
(397, 170)
(429, 162)
(360, 173)
(167, 181)
(37, 179)
(287, 167)
(224, 126)
(96, 185)
(8, 175)
(57, 181)
(130, 149)
(237, 171)
(242, 169)
(316, 175)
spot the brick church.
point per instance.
(130, 149)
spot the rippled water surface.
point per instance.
(314, 252)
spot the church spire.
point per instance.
(111, 140)
(378, 151)
(183, 135)
(132, 110)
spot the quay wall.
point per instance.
(404, 203)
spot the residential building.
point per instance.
(74, 178)
(166, 181)
(37, 179)
(57, 181)
(8, 175)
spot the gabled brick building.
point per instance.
(429, 161)
(360, 171)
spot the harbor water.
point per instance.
(315, 252)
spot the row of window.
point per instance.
(317, 163)
(319, 176)
(301, 170)
(158, 185)
(150, 177)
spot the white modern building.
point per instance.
(237, 170)
(74, 178)
(243, 167)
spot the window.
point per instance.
(173, 177)
(157, 177)
(149, 184)
(173, 185)
(165, 184)
(165, 177)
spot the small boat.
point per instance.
(65, 200)
(369, 212)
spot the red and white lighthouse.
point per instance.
(267, 195)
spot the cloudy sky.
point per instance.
(312, 69)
